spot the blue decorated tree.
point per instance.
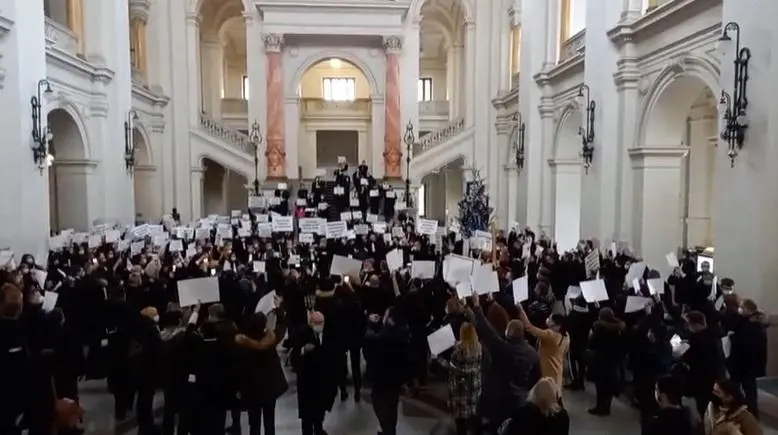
(474, 209)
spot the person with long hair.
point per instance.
(464, 379)
(728, 411)
(553, 343)
(543, 413)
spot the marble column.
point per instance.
(24, 220)
(392, 148)
(276, 150)
(198, 191)
(657, 170)
(212, 73)
(553, 32)
(193, 66)
(256, 70)
(469, 83)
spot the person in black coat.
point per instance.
(316, 356)
(607, 346)
(748, 352)
(671, 417)
(121, 327)
(515, 368)
(263, 379)
(705, 359)
(387, 345)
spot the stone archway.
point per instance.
(674, 166)
(69, 172)
(566, 169)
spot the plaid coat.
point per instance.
(464, 383)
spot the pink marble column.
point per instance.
(276, 151)
(392, 147)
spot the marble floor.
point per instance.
(348, 418)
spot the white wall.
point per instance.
(312, 82)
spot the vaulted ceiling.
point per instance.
(442, 23)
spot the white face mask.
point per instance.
(318, 329)
(156, 319)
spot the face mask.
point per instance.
(11, 310)
(741, 311)
(318, 329)
(156, 319)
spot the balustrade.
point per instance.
(58, 35)
(234, 138)
(437, 137)
(434, 108)
(574, 46)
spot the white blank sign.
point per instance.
(441, 340)
(202, 290)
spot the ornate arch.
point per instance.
(686, 66)
(467, 8)
(143, 131)
(76, 116)
(353, 59)
(568, 110)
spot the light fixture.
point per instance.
(255, 136)
(587, 132)
(518, 144)
(410, 139)
(41, 137)
(335, 63)
(129, 140)
(734, 105)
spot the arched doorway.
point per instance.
(335, 109)
(144, 181)
(440, 192)
(224, 190)
(566, 169)
(69, 171)
(684, 115)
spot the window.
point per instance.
(244, 90)
(572, 19)
(425, 89)
(339, 88)
(421, 200)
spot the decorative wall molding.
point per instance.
(669, 15)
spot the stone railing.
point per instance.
(235, 106)
(60, 36)
(437, 137)
(322, 107)
(573, 46)
(232, 137)
(434, 108)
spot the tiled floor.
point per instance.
(348, 418)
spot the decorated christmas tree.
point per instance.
(474, 210)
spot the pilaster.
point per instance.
(657, 177)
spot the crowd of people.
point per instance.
(112, 310)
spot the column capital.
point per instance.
(248, 17)
(469, 24)
(139, 9)
(193, 19)
(393, 44)
(273, 42)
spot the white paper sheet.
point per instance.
(656, 286)
(672, 260)
(345, 266)
(426, 226)
(441, 340)
(520, 289)
(457, 268)
(258, 266)
(49, 301)
(679, 346)
(635, 271)
(464, 289)
(484, 279)
(423, 269)
(394, 260)
(204, 290)
(702, 260)
(636, 303)
(266, 303)
(594, 290)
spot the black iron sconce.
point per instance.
(255, 136)
(410, 139)
(41, 138)
(734, 105)
(587, 132)
(518, 143)
(129, 140)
